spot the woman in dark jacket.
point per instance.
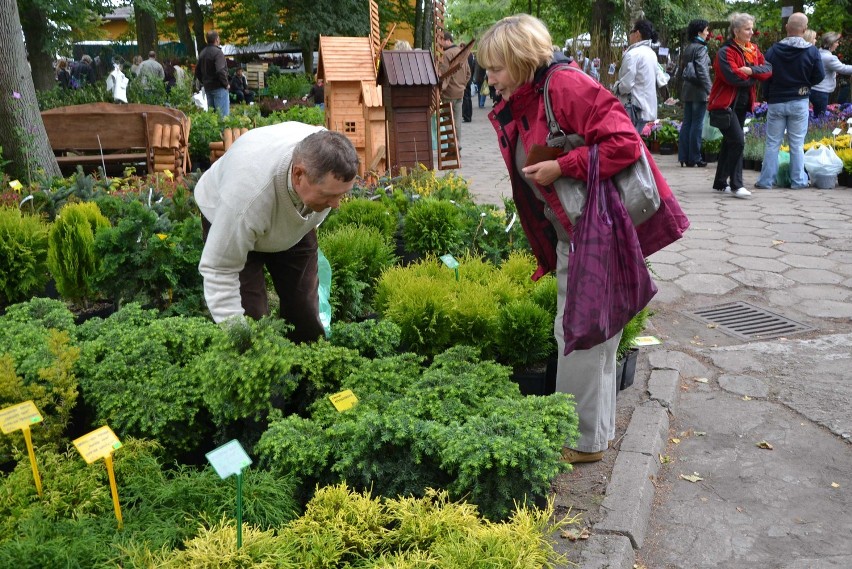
(694, 94)
(739, 66)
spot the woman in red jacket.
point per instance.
(518, 56)
(739, 66)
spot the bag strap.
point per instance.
(556, 138)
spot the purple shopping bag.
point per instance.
(608, 280)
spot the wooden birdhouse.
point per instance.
(408, 81)
(348, 67)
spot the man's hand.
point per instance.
(544, 173)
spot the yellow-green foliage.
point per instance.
(71, 248)
(343, 528)
(435, 311)
(54, 394)
(23, 255)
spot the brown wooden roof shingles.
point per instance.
(408, 68)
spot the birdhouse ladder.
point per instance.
(448, 150)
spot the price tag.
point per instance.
(748, 120)
(646, 341)
(228, 459)
(450, 261)
(344, 400)
(849, 121)
(745, 130)
(18, 416)
(98, 444)
(836, 131)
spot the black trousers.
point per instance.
(294, 275)
(467, 105)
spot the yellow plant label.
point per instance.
(98, 444)
(19, 416)
(646, 341)
(344, 400)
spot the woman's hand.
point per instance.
(544, 173)
(746, 70)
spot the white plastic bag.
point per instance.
(116, 83)
(662, 77)
(200, 100)
(821, 160)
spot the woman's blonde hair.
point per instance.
(810, 36)
(520, 44)
(738, 20)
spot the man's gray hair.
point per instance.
(327, 152)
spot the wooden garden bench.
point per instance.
(219, 147)
(106, 133)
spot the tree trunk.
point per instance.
(22, 135)
(146, 31)
(182, 25)
(198, 24)
(418, 24)
(34, 22)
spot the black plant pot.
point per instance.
(667, 148)
(537, 382)
(711, 156)
(758, 165)
(844, 178)
(626, 369)
(748, 164)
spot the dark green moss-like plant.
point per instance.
(71, 249)
(23, 255)
(461, 424)
(135, 379)
(371, 338)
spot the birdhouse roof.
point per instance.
(346, 59)
(371, 94)
(408, 68)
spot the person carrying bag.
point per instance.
(517, 52)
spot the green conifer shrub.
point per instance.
(71, 249)
(23, 255)
(434, 227)
(366, 212)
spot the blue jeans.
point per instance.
(819, 101)
(793, 116)
(689, 143)
(220, 100)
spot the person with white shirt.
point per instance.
(261, 203)
(636, 87)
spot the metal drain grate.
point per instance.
(749, 322)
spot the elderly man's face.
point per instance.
(320, 195)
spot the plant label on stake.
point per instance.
(646, 341)
(228, 459)
(21, 416)
(343, 401)
(451, 262)
(98, 444)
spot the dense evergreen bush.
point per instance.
(357, 254)
(361, 211)
(23, 255)
(71, 249)
(371, 338)
(461, 425)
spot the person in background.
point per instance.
(239, 87)
(317, 93)
(595, 69)
(467, 98)
(739, 65)
(694, 95)
(137, 61)
(212, 72)
(810, 36)
(180, 73)
(83, 73)
(518, 55)
(150, 70)
(796, 68)
(832, 66)
(401, 45)
(637, 77)
(452, 88)
(63, 76)
(260, 204)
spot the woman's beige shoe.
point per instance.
(574, 456)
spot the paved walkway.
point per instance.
(708, 400)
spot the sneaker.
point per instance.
(762, 187)
(572, 456)
(725, 190)
(741, 193)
